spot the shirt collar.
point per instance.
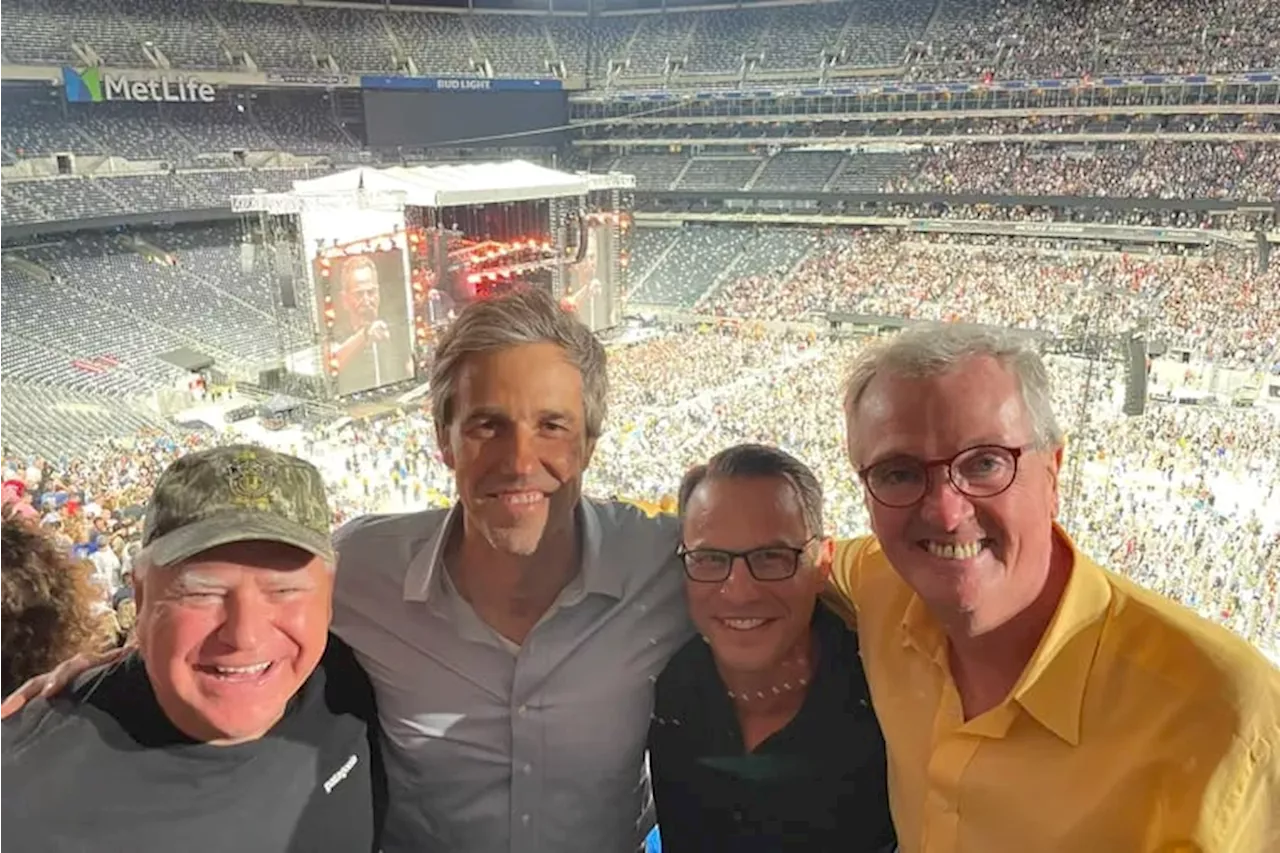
(922, 632)
(598, 574)
(1051, 688)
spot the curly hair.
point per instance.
(46, 604)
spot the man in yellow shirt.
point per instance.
(1031, 701)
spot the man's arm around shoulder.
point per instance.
(846, 576)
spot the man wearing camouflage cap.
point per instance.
(238, 723)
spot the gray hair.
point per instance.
(933, 348)
(760, 460)
(523, 316)
(145, 560)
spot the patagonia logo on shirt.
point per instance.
(342, 773)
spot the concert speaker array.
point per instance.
(1135, 386)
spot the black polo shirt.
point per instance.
(101, 768)
(817, 784)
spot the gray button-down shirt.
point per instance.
(494, 748)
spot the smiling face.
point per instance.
(517, 445)
(230, 635)
(752, 625)
(981, 560)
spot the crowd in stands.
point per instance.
(929, 39)
(188, 135)
(1226, 220)
(77, 197)
(1217, 303)
(818, 121)
(1060, 38)
(1184, 498)
(1183, 170)
(96, 312)
(1140, 169)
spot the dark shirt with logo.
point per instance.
(101, 768)
(818, 784)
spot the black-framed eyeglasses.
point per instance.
(714, 565)
(983, 471)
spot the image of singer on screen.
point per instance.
(371, 333)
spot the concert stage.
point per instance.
(381, 259)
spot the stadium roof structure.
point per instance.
(451, 186)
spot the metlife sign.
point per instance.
(93, 86)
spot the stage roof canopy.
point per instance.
(451, 186)
(187, 359)
(280, 404)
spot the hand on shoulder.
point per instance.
(58, 679)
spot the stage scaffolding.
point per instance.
(271, 222)
(468, 230)
(1110, 316)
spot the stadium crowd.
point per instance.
(1012, 40)
(1182, 170)
(1184, 499)
(967, 39)
(1216, 302)
(679, 396)
(1136, 169)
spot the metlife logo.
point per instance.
(93, 86)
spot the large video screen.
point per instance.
(465, 119)
(370, 331)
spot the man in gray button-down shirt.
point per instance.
(514, 640)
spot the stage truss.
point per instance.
(582, 245)
(293, 204)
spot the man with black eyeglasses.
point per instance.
(763, 737)
(1030, 699)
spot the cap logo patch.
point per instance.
(248, 481)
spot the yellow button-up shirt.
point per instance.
(1137, 726)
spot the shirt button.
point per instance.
(527, 769)
(737, 816)
(522, 710)
(524, 818)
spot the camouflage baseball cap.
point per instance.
(237, 493)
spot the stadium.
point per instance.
(736, 198)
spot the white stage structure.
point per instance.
(433, 213)
(455, 185)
